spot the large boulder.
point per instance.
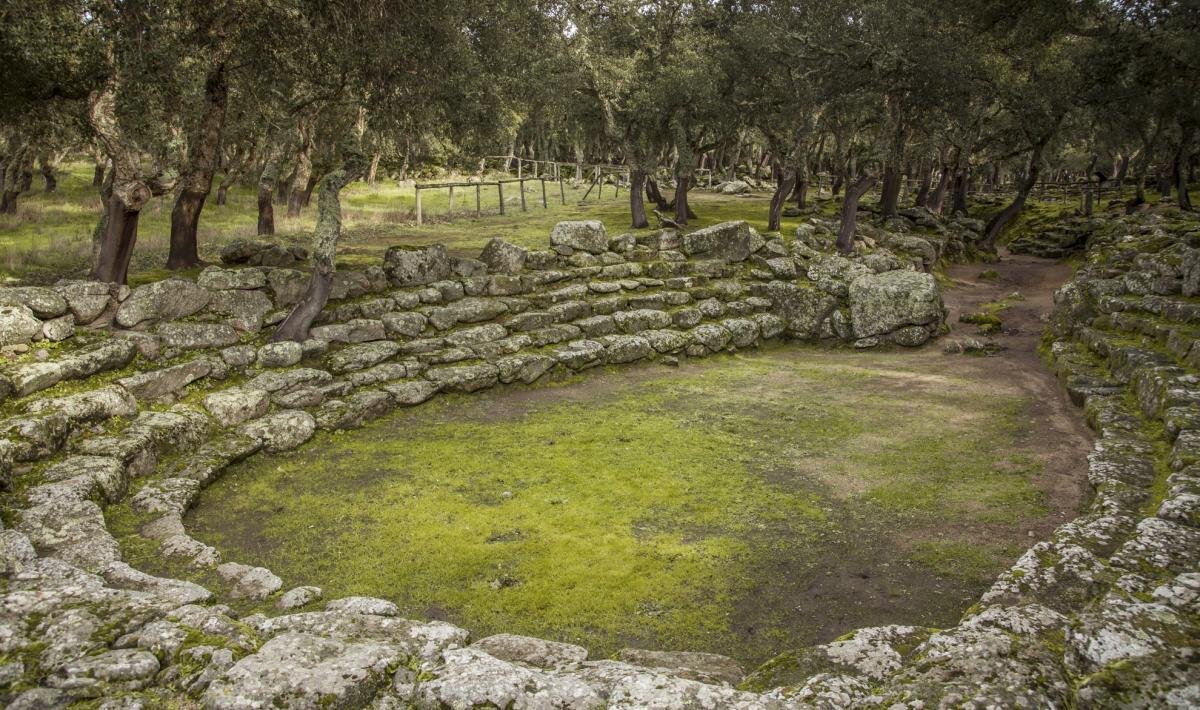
(86, 299)
(18, 325)
(44, 302)
(504, 257)
(804, 310)
(162, 300)
(731, 241)
(584, 235)
(406, 266)
(881, 303)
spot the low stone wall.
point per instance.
(93, 424)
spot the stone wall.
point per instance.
(175, 381)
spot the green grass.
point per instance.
(682, 511)
(51, 236)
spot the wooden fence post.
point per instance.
(545, 205)
(521, 184)
(478, 201)
(500, 192)
(450, 207)
(562, 191)
(418, 189)
(519, 168)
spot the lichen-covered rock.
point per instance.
(153, 384)
(281, 354)
(504, 257)
(18, 325)
(195, 336)
(302, 670)
(59, 329)
(249, 582)
(45, 303)
(217, 279)
(730, 241)
(297, 597)
(585, 235)
(464, 378)
(364, 605)
(364, 355)
(532, 651)
(407, 266)
(706, 667)
(86, 299)
(162, 300)
(471, 678)
(237, 404)
(281, 431)
(881, 303)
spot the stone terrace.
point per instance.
(159, 388)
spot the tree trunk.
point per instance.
(222, 193)
(98, 175)
(783, 189)
(961, 182)
(325, 238)
(637, 205)
(371, 171)
(117, 242)
(303, 169)
(889, 199)
(18, 177)
(1180, 166)
(996, 225)
(845, 240)
(923, 191)
(1120, 169)
(308, 189)
(682, 211)
(266, 193)
(49, 167)
(939, 192)
(204, 154)
(655, 195)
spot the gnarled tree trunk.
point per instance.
(303, 169)
(997, 223)
(787, 181)
(325, 238)
(266, 194)
(1182, 160)
(655, 195)
(854, 193)
(204, 152)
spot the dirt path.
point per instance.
(1060, 435)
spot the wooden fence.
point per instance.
(477, 187)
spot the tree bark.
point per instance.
(996, 225)
(98, 174)
(655, 195)
(637, 205)
(371, 171)
(845, 240)
(961, 182)
(266, 193)
(325, 238)
(783, 189)
(682, 211)
(939, 192)
(313, 179)
(922, 198)
(49, 169)
(303, 169)
(1181, 162)
(204, 151)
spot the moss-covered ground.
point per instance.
(743, 505)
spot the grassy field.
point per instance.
(51, 235)
(741, 505)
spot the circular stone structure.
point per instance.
(1102, 612)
